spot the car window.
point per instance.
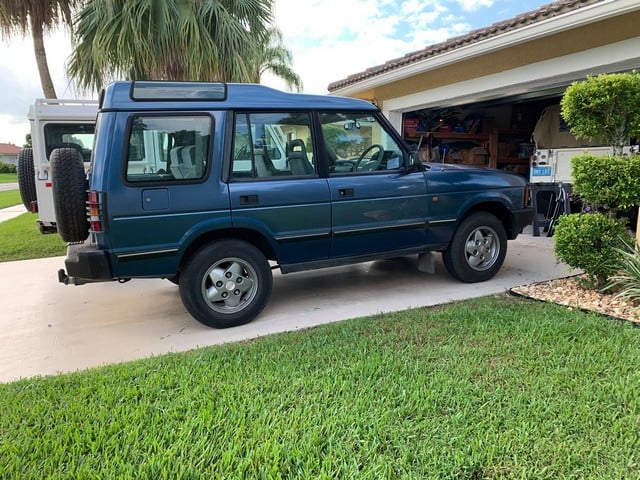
(168, 148)
(357, 143)
(268, 145)
(70, 135)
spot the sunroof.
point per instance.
(185, 91)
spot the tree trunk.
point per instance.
(41, 60)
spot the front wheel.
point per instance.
(226, 283)
(478, 248)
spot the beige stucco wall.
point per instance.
(580, 39)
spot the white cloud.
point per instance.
(333, 39)
(473, 5)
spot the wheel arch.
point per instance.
(497, 207)
(254, 237)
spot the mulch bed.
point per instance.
(569, 292)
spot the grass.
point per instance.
(9, 198)
(20, 239)
(495, 388)
(8, 178)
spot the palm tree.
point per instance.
(37, 16)
(271, 55)
(167, 40)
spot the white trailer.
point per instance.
(553, 165)
(55, 123)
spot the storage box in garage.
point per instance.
(475, 156)
(412, 127)
(454, 157)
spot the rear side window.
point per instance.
(268, 145)
(70, 135)
(168, 148)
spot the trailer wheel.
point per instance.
(69, 194)
(26, 178)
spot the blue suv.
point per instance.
(212, 185)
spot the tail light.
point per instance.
(95, 204)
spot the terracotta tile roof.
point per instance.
(9, 149)
(545, 12)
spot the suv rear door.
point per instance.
(275, 187)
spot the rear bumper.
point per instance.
(521, 218)
(84, 264)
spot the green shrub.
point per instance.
(605, 107)
(610, 181)
(591, 242)
(7, 168)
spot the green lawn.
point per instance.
(8, 178)
(495, 388)
(9, 198)
(20, 239)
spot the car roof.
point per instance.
(161, 95)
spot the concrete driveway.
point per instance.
(47, 327)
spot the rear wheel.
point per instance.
(478, 248)
(26, 178)
(69, 194)
(226, 283)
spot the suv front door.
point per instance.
(377, 203)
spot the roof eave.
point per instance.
(577, 18)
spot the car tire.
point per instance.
(226, 283)
(27, 178)
(477, 249)
(69, 194)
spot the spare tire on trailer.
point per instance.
(69, 194)
(26, 178)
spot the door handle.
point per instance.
(345, 192)
(248, 199)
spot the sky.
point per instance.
(329, 40)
